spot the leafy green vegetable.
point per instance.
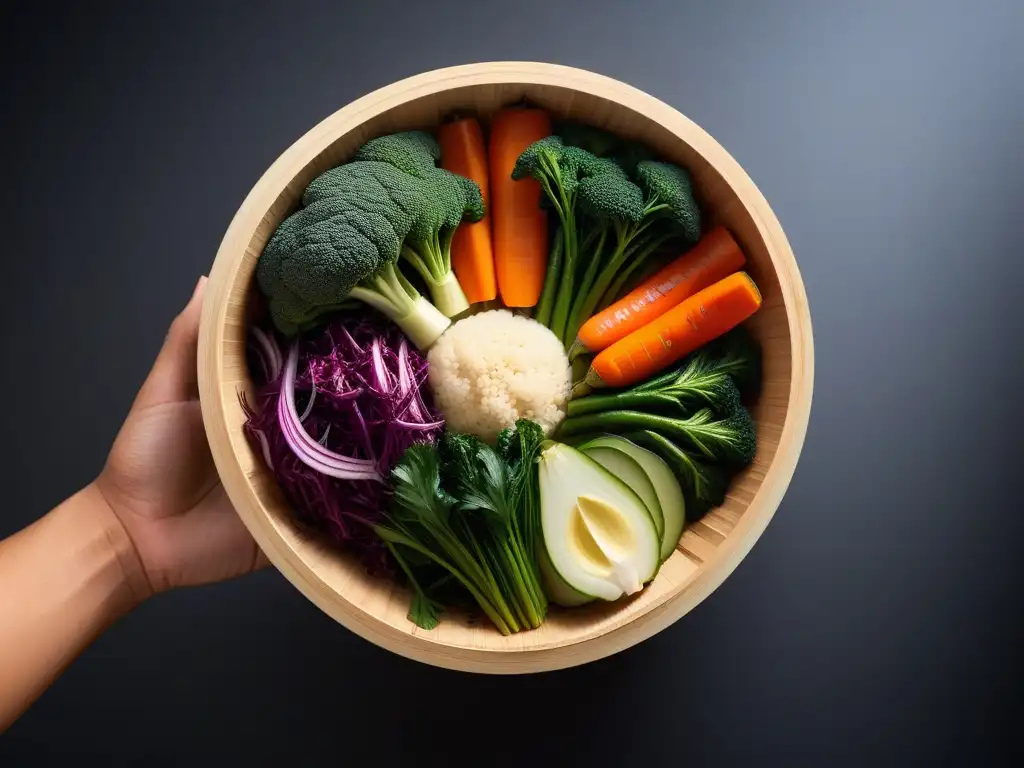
(563, 171)
(731, 440)
(668, 210)
(520, 447)
(467, 508)
(707, 378)
(423, 612)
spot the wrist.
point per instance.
(116, 558)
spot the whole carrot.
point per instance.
(463, 151)
(714, 257)
(519, 225)
(699, 319)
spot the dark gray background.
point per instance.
(879, 616)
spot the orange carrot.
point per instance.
(464, 152)
(699, 319)
(716, 256)
(519, 225)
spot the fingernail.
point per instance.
(199, 285)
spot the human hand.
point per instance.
(160, 481)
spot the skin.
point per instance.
(156, 518)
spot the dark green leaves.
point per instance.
(671, 186)
(477, 477)
(469, 509)
(424, 612)
(418, 496)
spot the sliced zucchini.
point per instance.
(672, 503)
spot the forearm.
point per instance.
(63, 580)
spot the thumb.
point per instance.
(174, 377)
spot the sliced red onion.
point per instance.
(271, 353)
(381, 372)
(419, 425)
(312, 396)
(405, 381)
(305, 448)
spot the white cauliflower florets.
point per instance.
(490, 369)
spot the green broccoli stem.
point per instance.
(433, 262)
(554, 273)
(565, 207)
(448, 296)
(626, 236)
(575, 312)
(560, 314)
(391, 294)
(640, 258)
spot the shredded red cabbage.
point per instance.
(359, 400)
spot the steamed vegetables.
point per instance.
(692, 417)
(699, 319)
(454, 504)
(715, 257)
(448, 198)
(357, 220)
(552, 449)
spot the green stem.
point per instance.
(620, 421)
(531, 597)
(576, 318)
(638, 260)
(482, 601)
(554, 274)
(501, 603)
(560, 314)
(608, 272)
(583, 406)
(580, 365)
(523, 601)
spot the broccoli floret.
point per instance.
(607, 195)
(668, 211)
(630, 155)
(565, 173)
(414, 152)
(444, 201)
(633, 201)
(669, 189)
(730, 440)
(343, 246)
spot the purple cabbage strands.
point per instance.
(370, 404)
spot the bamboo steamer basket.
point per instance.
(708, 551)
